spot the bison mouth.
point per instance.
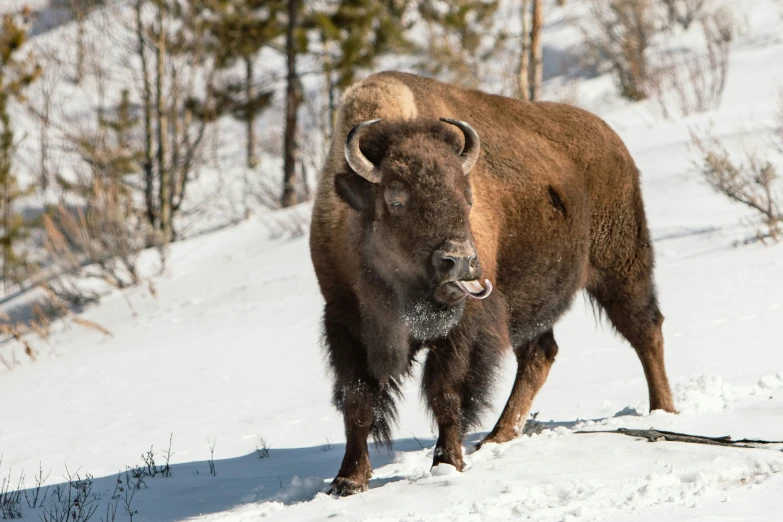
(451, 292)
(474, 289)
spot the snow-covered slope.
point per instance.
(228, 351)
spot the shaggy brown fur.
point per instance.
(556, 207)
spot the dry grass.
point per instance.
(98, 240)
(91, 325)
(101, 240)
(287, 224)
(38, 325)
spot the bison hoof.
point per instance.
(443, 457)
(496, 438)
(344, 487)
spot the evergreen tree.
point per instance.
(239, 29)
(111, 157)
(15, 75)
(79, 10)
(456, 32)
(353, 35)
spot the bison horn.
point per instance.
(353, 154)
(470, 152)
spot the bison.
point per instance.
(465, 223)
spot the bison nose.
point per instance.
(456, 263)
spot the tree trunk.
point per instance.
(146, 88)
(79, 74)
(292, 102)
(176, 129)
(536, 50)
(250, 115)
(7, 225)
(163, 171)
(524, 59)
(45, 121)
(6, 146)
(184, 170)
(332, 108)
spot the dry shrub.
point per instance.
(567, 92)
(696, 83)
(620, 32)
(102, 239)
(750, 182)
(262, 189)
(36, 322)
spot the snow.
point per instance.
(228, 350)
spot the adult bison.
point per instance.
(419, 214)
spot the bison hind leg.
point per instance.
(534, 360)
(631, 305)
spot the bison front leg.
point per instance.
(355, 471)
(442, 383)
(445, 375)
(366, 405)
(458, 376)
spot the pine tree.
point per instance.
(239, 29)
(79, 10)
(15, 75)
(111, 157)
(353, 35)
(456, 33)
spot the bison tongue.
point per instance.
(474, 288)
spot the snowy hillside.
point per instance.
(226, 354)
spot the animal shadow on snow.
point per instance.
(287, 475)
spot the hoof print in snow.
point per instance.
(343, 487)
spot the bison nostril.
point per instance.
(447, 263)
(454, 265)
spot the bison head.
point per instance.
(410, 183)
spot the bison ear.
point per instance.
(354, 190)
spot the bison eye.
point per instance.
(396, 207)
(396, 199)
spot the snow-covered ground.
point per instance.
(227, 351)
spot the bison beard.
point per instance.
(425, 319)
(401, 254)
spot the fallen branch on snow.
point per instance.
(653, 435)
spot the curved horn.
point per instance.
(470, 153)
(356, 160)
